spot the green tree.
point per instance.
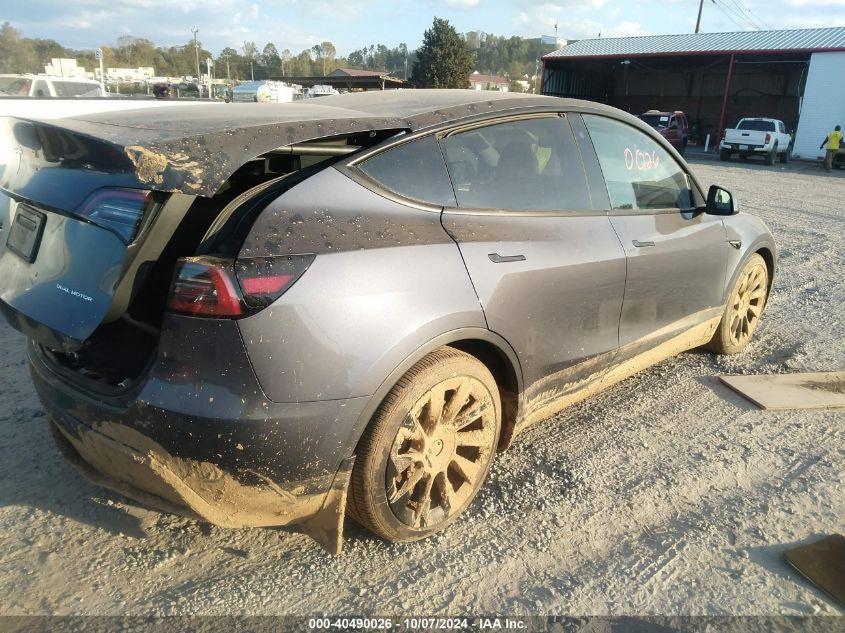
(443, 60)
(17, 54)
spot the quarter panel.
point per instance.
(354, 316)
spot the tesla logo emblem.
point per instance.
(19, 153)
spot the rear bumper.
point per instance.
(750, 148)
(260, 464)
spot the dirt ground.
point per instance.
(667, 494)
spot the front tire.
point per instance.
(784, 158)
(724, 154)
(428, 448)
(745, 305)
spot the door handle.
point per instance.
(503, 259)
(640, 244)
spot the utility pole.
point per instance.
(99, 56)
(698, 21)
(228, 76)
(195, 30)
(209, 64)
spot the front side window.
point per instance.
(414, 170)
(639, 173)
(528, 165)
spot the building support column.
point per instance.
(725, 102)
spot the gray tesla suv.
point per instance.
(273, 314)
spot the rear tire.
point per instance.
(724, 154)
(428, 448)
(770, 157)
(743, 310)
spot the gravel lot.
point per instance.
(667, 494)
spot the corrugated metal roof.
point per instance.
(693, 43)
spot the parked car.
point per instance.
(673, 126)
(46, 86)
(353, 303)
(757, 137)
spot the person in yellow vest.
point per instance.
(831, 143)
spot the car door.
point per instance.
(543, 257)
(676, 254)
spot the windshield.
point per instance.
(656, 120)
(756, 126)
(15, 86)
(76, 89)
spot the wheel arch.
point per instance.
(489, 348)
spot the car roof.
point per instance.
(413, 109)
(194, 149)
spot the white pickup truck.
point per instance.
(757, 137)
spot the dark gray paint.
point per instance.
(683, 273)
(561, 304)
(383, 284)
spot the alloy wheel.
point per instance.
(747, 304)
(441, 452)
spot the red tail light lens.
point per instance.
(768, 137)
(215, 287)
(265, 279)
(205, 287)
(120, 210)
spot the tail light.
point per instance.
(120, 210)
(768, 137)
(216, 287)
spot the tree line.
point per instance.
(445, 58)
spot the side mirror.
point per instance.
(721, 202)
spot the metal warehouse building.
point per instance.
(797, 76)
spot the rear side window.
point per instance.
(414, 170)
(639, 173)
(528, 165)
(75, 89)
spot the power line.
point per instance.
(737, 10)
(757, 17)
(746, 11)
(730, 15)
(739, 15)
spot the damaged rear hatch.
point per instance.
(87, 204)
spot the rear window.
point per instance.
(756, 126)
(75, 89)
(414, 170)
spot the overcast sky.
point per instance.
(350, 24)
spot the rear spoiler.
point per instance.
(183, 156)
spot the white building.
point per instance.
(478, 81)
(823, 105)
(142, 73)
(64, 67)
